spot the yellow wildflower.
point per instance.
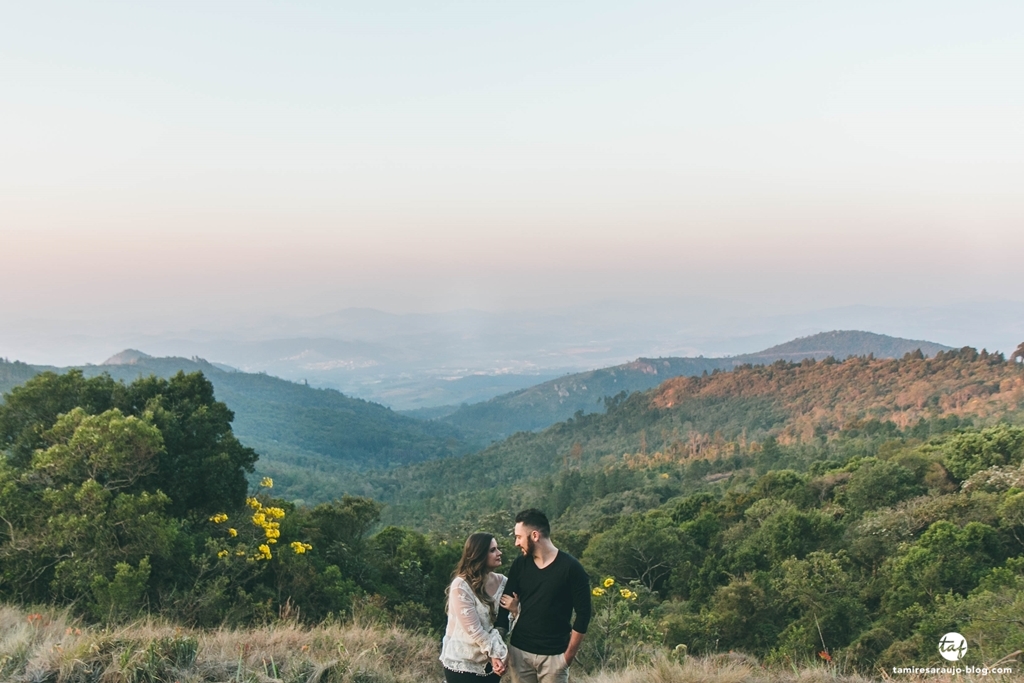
(267, 483)
(218, 518)
(609, 582)
(232, 532)
(222, 553)
(253, 503)
(264, 550)
(276, 513)
(598, 592)
(259, 519)
(625, 592)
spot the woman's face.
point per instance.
(493, 555)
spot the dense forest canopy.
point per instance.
(858, 509)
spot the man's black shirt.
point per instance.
(547, 599)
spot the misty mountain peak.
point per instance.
(126, 357)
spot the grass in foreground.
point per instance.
(50, 646)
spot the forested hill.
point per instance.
(298, 431)
(559, 399)
(725, 413)
(13, 373)
(842, 344)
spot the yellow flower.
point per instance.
(253, 503)
(218, 518)
(259, 518)
(267, 483)
(264, 552)
(609, 582)
(276, 513)
(299, 547)
(232, 532)
(625, 592)
(222, 553)
(598, 592)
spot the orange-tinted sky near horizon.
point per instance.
(274, 156)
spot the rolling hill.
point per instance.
(545, 404)
(714, 417)
(300, 432)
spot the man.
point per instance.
(545, 586)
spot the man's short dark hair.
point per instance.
(536, 519)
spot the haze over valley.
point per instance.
(296, 296)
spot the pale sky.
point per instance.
(181, 158)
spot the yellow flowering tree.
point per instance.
(262, 531)
(621, 632)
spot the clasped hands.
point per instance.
(511, 603)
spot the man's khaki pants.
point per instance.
(527, 667)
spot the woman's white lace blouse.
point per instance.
(471, 640)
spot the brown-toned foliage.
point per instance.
(825, 397)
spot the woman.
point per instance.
(472, 650)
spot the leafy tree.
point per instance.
(879, 483)
(32, 408)
(83, 516)
(644, 547)
(827, 610)
(972, 451)
(203, 466)
(946, 558)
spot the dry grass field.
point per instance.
(48, 646)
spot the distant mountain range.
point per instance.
(312, 439)
(545, 404)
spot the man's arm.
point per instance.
(511, 586)
(579, 584)
(575, 640)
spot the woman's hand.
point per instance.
(498, 666)
(511, 603)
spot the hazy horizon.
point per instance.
(199, 171)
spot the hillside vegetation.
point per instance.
(557, 400)
(709, 418)
(309, 439)
(788, 512)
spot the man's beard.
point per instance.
(528, 551)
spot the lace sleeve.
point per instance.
(462, 604)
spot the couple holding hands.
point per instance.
(535, 603)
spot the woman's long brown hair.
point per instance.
(473, 567)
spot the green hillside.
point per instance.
(309, 439)
(710, 418)
(559, 399)
(846, 513)
(13, 373)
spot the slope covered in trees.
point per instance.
(310, 439)
(721, 525)
(860, 509)
(554, 401)
(710, 418)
